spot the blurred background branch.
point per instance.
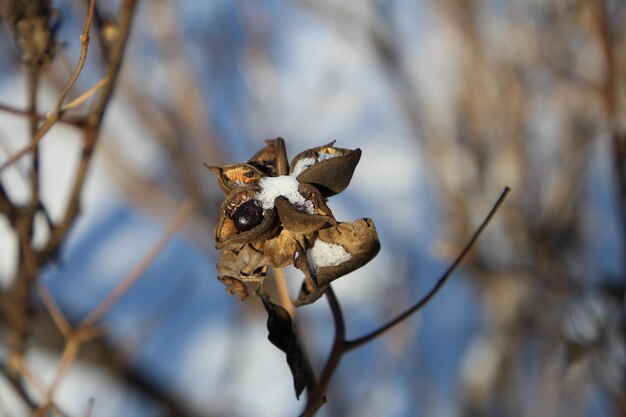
(449, 100)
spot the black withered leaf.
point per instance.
(282, 336)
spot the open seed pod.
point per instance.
(274, 216)
(243, 220)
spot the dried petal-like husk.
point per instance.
(239, 265)
(299, 221)
(280, 250)
(309, 291)
(358, 238)
(272, 159)
(236, 176)
(313, 195)
(225, 231)
(331, 175)
(234, 287)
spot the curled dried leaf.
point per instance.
(281, 334)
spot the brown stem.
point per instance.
(353, 344)
(76, 122)
(316, 397)
(341, 346)
(92, 129)
(137, 272)
(38, 134)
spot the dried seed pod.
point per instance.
(273, 216)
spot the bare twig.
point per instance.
(20, 112)
(353, 344)
(316, 397)
(86, 95)
(55, 115)
(283, 292)
(35, 385)
(341, 346)
(55, 312)
(92, 128)
(96, 314)
(67, 358)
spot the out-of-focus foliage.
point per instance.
(450, 100)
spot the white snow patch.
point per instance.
(305, 163)
(326, 254)
(301, 165)
(285, 186)
(322, 156)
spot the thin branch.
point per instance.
(36, 385)
(67, 358)
(127, 9)
(92, 127)
(19, 388)
(283, 293)
(83, 97)
(54, 116)
(353, 344)
(33, 86)
(55, 312)
(140, 268)
(21, 112)
(316, 397)
(341, 346)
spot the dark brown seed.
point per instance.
(248, 215)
